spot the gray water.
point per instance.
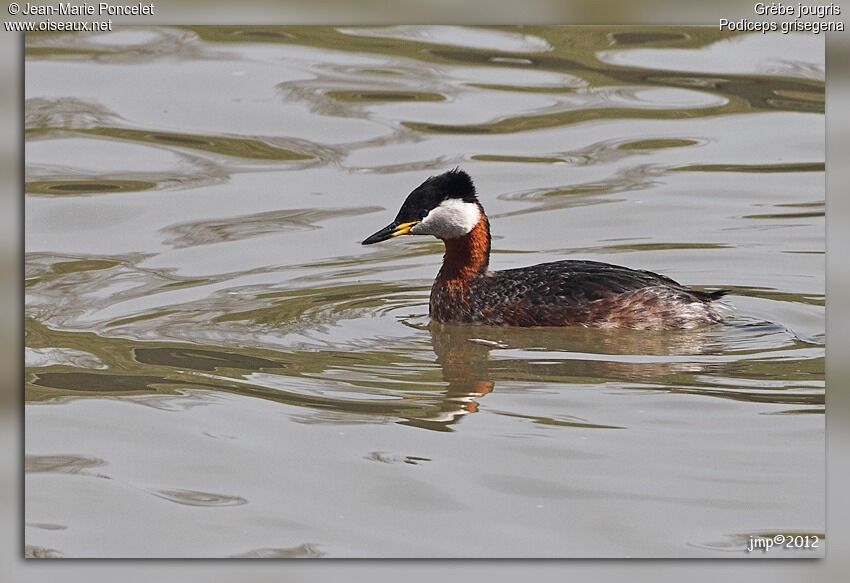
(217, 368)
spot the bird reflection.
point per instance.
(473, 362)
(471, 367)
(465, 367)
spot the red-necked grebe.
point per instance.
(562, 293)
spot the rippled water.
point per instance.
(216, 367)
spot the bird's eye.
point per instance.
(423, 213)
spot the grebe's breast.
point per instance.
(563, 293)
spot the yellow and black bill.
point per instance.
(394, 229)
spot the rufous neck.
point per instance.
(467, 256)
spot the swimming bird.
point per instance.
(561, 293)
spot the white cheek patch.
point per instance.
(452, 219)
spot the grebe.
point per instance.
(562, 293)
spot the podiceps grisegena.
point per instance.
(562, 293)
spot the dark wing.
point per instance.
(577, 282)
(589, 293)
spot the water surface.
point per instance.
(217, 368)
